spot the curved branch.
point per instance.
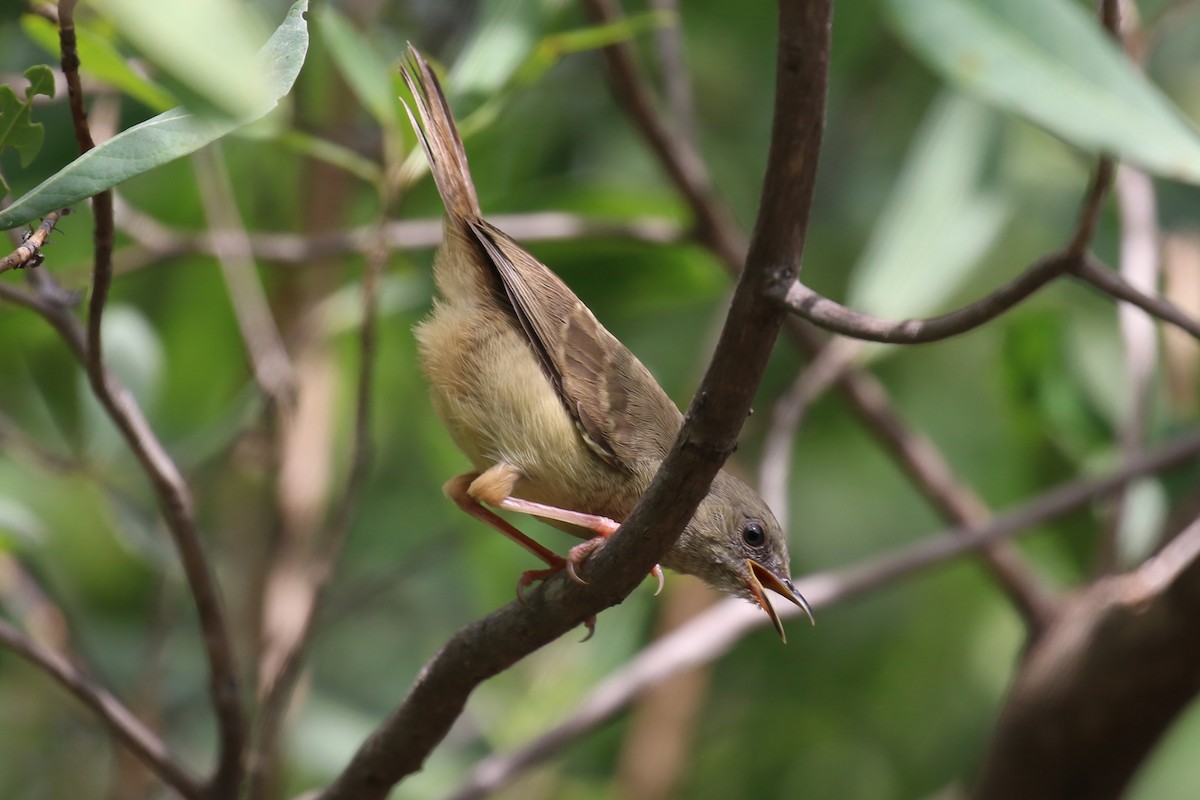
(1092, 272)
(1097, 692)
(479, 651)
(837, 318)
(140, 740)
(29, 253)
(169, 485)
(709, 635)
(157, 242)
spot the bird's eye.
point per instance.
(753, 534)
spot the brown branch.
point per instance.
(1097, 692)
(170, 487)
(837, 318)
(139, 739)
(1092, 272)
(29, 252)
(714, 225)
(715, 228)
(711, 634)
(490, 645)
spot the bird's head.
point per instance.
(735, 544)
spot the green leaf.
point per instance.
(98, 58)
(1047, 61)
(17, 128)
(41, 81)
(363, 68)
(164, 138)
(207, 47)
(937, 223)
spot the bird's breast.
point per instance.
(499, 405)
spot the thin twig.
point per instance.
(108, 709)
(775, 466)
(231, 245)
(156, 243)
(836, 318)
(282, 683)
(714, 225)
(173, 493)
(29, 252)
(1093, 272)
(711, 634)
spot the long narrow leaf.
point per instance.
(1048, 62)
(164, 138)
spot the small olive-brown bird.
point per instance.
(558, 418)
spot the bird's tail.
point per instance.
(439, 138)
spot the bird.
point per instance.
(557, 417)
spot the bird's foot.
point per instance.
(532, 576)
(580, 552)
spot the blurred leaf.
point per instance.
(208, 47)
(503, 35)
(99, 59)
(17, 128)
(164, 138)
(361, 65)
(1046, 60)
(937, 223)
(18, 521)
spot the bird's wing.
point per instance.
(622, 412)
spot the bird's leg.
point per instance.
(468, 489)
(459, 489)
(495, 486)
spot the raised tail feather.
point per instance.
(439, 138)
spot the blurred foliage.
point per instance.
(891, 696)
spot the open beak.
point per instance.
(761, 577)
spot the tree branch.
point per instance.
(157, 243)
(173, 493)
(918, 457)
(1096, 693)
(140, 740)
(29, 252)
(484, 648)
(711, 634)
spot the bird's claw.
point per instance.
(658, 573)
(532, 576)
